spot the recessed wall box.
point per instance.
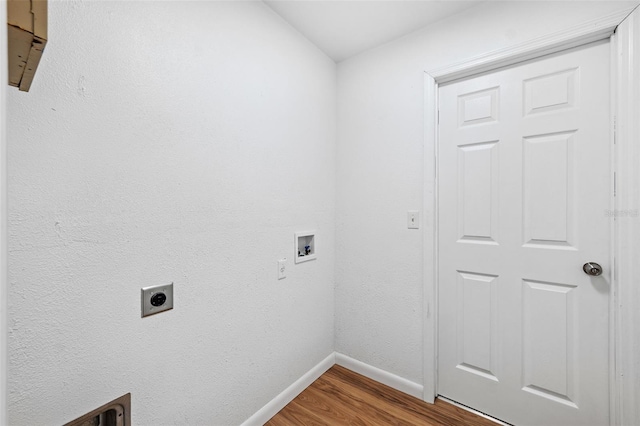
(306, 246)
(27, 35)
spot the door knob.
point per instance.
(592, 268)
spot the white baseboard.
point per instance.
(286, 396)
(279, 402)
(379, 375)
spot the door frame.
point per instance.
(621, 387)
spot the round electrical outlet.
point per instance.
(158, 299)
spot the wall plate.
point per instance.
(156, 299)
(282, 268)
(413, 219)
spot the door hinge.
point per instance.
(438, 116)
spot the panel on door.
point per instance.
(524, 182)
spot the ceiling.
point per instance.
(344, 28)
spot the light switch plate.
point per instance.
(156, 299)
(413, 219)
(282, 268)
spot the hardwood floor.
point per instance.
(342, 397)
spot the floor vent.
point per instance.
(115, 413)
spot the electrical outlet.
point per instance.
(282, 268)
(156, 299)
(413, 219)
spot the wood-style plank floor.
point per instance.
(342, 397)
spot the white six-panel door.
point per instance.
(524, 186)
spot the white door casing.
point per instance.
(524, 184)
(626, 375)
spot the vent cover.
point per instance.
(115, 413)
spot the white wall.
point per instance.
(379, 279)
(163, 142)
(3, 218)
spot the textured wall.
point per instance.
(3, 221)
(380, 170)
(168, 141)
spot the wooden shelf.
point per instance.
(27, 33)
